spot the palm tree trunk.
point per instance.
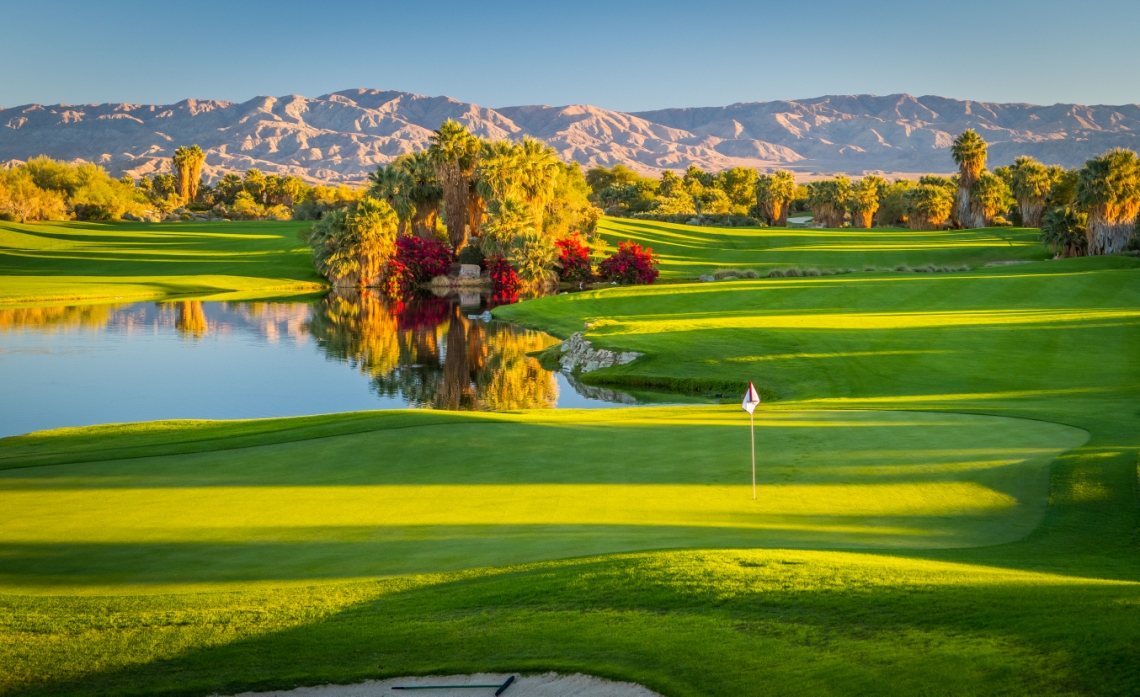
(455, 187)
(424, 220)
(1108, 236)
(862, 219)
(781, 212)
(1031, 213)
(964, 209)
(475, 208)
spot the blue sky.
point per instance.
(618, 55)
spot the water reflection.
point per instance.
(427, 352)
(87, 364)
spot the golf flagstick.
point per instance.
(751, 399)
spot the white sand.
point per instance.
(548, 685)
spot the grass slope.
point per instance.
(687, 252)
(53, 262)
(1055, 612)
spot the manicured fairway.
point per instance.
(67, 261)
(423, 492)
(915, 410)
(687, 251)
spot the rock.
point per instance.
(577, 355)
(486, 317)
(464, 272)
(707, 279)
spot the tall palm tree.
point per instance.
(865, 197)
(539, 169)
(774, 192)
(188, 165)
(988, 196)
(969, 151)
(1031, 184)
(454, 152)
(1108, 188)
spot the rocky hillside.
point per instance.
(342, 136)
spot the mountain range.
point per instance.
(341, 137)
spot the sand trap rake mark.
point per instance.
(501, 688)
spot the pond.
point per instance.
(88, 364)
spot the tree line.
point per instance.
(517, 198)
(1090, 210)
(511, 201)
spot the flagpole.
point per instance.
(752, 428)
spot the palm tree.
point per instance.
(969, 151)
(1108, 188)
(454, 152)
(865, 197)
(988, 196)
(538, 171)
(1031, 184)
(392, 184)
(928, 206)
(188, 164)
(828, 200)
(774, 192)
(1064, 229)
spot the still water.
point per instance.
(89, 364)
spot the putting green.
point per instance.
(425, 492)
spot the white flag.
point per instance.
(751, 399)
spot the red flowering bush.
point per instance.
(416, 261)
(502, 275)
(574, 258)
(631, 263)
(397, 279)
(424, 259)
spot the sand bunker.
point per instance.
(548, 685)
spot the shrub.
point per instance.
(574, 258)
(471, 254)
(424, 259)
(631, 263)
(503, 277)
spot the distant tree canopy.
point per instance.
(46, 189)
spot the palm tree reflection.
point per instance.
(426, 352)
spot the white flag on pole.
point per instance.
(751, 399)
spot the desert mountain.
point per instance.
(343, 136)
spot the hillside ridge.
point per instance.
(344, 135)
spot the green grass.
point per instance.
(70, 261)
(687, 252)
(915, 410)
(425, 492)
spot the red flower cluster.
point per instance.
(424, 259)
(502, 275)
(416, 261)
(630, 264)
(574, 258)
(397, 279)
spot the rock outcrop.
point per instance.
(577, 356)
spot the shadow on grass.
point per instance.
(690, 623)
